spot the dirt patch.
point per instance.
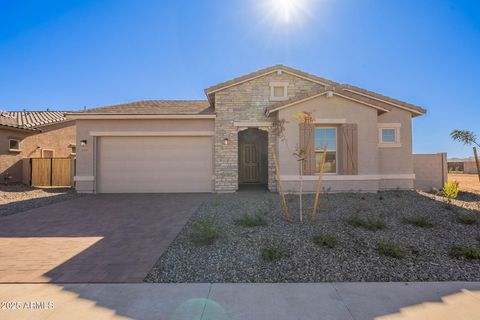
(468, 182)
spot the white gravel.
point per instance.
(17, 198)
(235, 257)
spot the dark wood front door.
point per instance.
(249, 163)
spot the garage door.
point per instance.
(154, 164)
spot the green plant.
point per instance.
(204, 232)
(369, 223)
(465, 252)
(391, 250)
(325, 240)
(419, 221)
(469, 219)
(247, 220)
(450, 189)
(271, 254)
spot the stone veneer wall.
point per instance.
(247, 102)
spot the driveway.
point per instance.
(96, 238)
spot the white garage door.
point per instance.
(154, 164)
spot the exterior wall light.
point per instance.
(225, 141)
(83, 143)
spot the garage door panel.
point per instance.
(154, 164)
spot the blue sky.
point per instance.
(69, 54)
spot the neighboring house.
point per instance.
(33, 134)
(227, 140)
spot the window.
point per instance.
(326, 138)
(13, 145)
(389, 135)
(278, 91)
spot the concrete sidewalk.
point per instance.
(349, 301)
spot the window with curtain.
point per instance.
(326, 137)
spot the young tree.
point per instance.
(468, 138)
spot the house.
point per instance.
(217, 144)
(33, 134)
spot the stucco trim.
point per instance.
(334, 177)
(251, 124)
(385, 101)
(152, 133)
(84, 178)
(330, 121)
(268, 112)
(82, 116)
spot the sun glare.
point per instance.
(286, 10)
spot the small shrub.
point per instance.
(369, 223)
(204, 232)
(469, 219)
(325, 240)
(391, 250)
(450, 190)
(419, 221)
(271, 254)
(247, 220)
(465, 252)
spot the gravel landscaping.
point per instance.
(389, 236)
(17, 197)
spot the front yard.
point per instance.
(389, 236)
(17, 197)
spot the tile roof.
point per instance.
(265, 71)
(345, 89)
(162, 107)
(352, 92)
(31, 120)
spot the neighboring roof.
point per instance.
(153, 107)
(31, 120)
(266, 71)
(362, 96)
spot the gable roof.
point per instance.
(376, 100)
(31, 120)
(265, 71)
(381, 103)
(155, 107)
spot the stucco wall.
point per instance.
(247, 102)
(470, 167)
(85, 164)
(56, 137)
(397, 160)
(430, 170)
(332, 108)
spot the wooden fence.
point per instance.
(51, 172)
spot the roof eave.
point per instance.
(93, 116)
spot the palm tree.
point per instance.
(468, 138)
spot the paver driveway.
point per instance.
(97, 238)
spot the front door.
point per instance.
(249, 163)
